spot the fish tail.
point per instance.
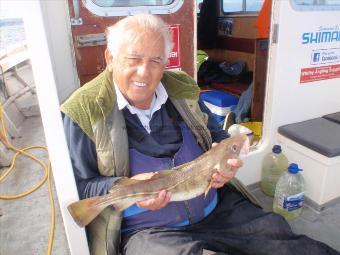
(84, 211)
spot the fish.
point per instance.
(185, 182)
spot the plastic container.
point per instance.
(256, 127)
(274, 164)
(219, 103)
(289, 193)
(236, 129)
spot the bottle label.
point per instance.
(291, 203)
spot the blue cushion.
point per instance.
(320, 135)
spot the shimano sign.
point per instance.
(323, 35)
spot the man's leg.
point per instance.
(164, 241)
(236, 226)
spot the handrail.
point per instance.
(76, 20)
(76, 9)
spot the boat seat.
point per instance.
(333, 117)
(320, 134)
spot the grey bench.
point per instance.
(320, 134)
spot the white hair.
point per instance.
(125, 31)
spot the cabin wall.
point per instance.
(242, 50)
(90, 59)
(292, 99)
(288, 100)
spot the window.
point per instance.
(254, 5)
(317, 2)
(198, 3)
(242, 5)
(110, 8)
(316, 5)
(130, 3)
(232, 5)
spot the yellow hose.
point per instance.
(47, 176)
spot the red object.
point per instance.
(233, 88)
(174, 58)
(263, 20)
(319, 73)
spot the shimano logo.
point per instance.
(323, 35)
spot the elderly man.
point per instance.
(135, 118)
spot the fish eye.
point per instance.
(234, 147)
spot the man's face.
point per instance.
(138, 68)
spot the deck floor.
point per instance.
(323, 226)
(25, 222)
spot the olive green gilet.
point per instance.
(94, 108)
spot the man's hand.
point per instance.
(219, 179)
(156, 203)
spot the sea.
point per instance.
(12, 32)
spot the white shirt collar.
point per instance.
(121, 101)
(159, 98)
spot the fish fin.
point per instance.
(207, 189)
(121, 205)
(125, 182)
(181, 167)
(162, 173)
(84, 211)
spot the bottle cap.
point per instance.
(294, 168)
(276, 149)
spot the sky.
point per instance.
(10, 9)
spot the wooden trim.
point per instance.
(261, 60)
(236, 44)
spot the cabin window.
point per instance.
(317, 2)
(232, 6)
(198, 6)
(110, 8)
(130, 3)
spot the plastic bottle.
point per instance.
(289, 193)
(274, 164)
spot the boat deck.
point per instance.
(25, 222)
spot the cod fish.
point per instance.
(184, 182)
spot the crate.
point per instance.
(219, 103)
(254, 126)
